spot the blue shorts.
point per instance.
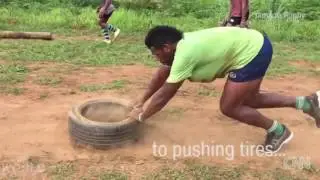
(257, 68)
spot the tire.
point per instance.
(101, 135)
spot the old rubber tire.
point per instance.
(96, 134)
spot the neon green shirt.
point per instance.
(211, 53)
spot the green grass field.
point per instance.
(78, 44)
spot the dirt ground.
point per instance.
(35, 124)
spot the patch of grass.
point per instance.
(114, 175)
(63, 69)
(78, 52)
(197, 171)
(285, 54)
(130, 50)
(308, 51)
(167, 174)
(282, 68)
(192, 169)
(208, 172)
(12, 73)
(12, 90)
(279, 174)
(116, 84)
(69, 19)
(213, 172)
(62, 171)
(49, 80)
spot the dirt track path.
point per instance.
(33, 127)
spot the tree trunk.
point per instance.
(26, 35)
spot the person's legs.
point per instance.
(242, 96)
(107, 28)
(239, 99)
(308, 104)
(232, 106)
(112, 28)
(232, 103)
(270, 100)
(104, 28)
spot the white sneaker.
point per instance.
(108, 41)
(116, 34)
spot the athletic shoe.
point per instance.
(314, 100)
(107, 41)
(274, 142)
(116, 34)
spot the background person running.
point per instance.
(238, 14)
(105, 11)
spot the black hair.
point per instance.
(160, 35)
